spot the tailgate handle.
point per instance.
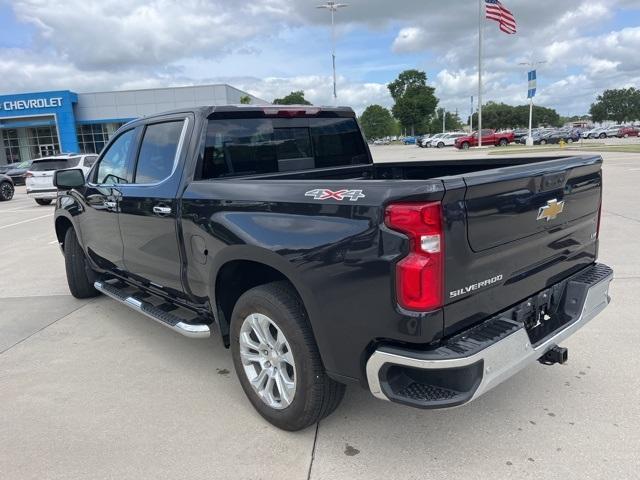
(552, 181)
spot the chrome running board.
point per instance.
(174, 322)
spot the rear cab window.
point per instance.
(53, 164)
(158, 151)
(250, 146)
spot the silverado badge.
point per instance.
(551, 210)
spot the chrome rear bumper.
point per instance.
(484, 369)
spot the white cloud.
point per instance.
(116, 44)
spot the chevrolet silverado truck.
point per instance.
(271, 228)
(489, 137)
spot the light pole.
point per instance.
(333, 8)
(531, 65)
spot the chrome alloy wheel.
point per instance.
(267, 360)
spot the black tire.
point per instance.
(465, 145)
(543, 142)
(316, 395)
(6, 191)
(602, 135)
(80, 277)
(43, 201)
(440, 144)
(503, 142)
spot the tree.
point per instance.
(501, 115)
(451, 122)
(294, 98)
(377, 122)
(415, 101)
(620, 105)
(245, 99)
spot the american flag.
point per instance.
(498, 12)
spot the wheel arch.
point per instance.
(62, 225)
(244, 267)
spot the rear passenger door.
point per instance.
(148, 206)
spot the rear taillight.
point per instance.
(420, 275)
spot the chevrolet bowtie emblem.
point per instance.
(551, 210)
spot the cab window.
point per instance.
(112, 168)
(158, 152)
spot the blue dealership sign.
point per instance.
(43, 108)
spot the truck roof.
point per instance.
(268, 109)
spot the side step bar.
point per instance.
(175, 323)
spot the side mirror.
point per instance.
(68, 179)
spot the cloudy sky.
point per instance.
(270, 47)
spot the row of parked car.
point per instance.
(37, 175)
(439, 140)
(620, 131)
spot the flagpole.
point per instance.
(480, 72)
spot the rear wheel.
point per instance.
(277, 360)
(43, 201)
(6, 191)
(603, 135)
(80, 277)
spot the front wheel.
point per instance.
(603, 135)
(503, 142)
(543, 142)
(6, 191)
(277, 360)
(465, 145)
(43, 201)
(80, 277)
(440, 144)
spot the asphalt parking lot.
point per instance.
(90, 389)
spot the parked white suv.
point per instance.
(39, 178)
(447, 140)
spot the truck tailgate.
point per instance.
(502, 210)
(522, 229)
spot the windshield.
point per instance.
(53, 164)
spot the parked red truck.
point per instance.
(489, 137)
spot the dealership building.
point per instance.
(33, 125)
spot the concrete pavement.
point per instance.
(90, 389)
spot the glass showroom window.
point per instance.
(92, 137)
(21, 144)
(10, 145)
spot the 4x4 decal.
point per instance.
(326, 194)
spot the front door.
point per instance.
(102, 194)
(148, 206)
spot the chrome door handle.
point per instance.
(110, 204)
(161, 210)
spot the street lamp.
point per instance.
(531, 65)
(333, 8)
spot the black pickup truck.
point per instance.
(426, 282)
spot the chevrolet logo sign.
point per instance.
(551, 210)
